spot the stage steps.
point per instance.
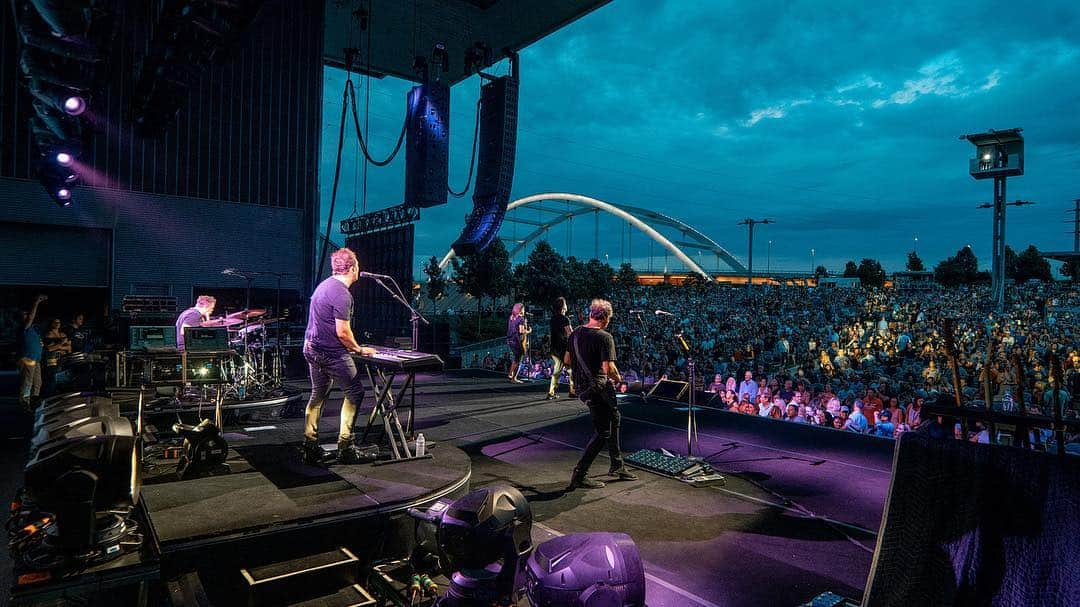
(325, 579)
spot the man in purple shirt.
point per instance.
(328, 347)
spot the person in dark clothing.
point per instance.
(517, 332)
(194, 317)
(560, 331)
(591, 356)
(77, 333)
(57, 346)
(328, 347)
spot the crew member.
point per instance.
(517, 331)
(30, 358)
(328, 345)
(560, 331)
(591, 356)
(194, 317)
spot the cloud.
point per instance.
(774, 111)
(866, 82)
(992, 80)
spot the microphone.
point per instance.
(663, 313)
(372, 275)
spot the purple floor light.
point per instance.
(586, 570)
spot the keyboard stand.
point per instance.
(382, 382)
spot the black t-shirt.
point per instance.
(513, 335)
(330, 302)
(191, 317)
(78, 337)
(594, 346)
(559, 323)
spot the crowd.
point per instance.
(862, 360)
(41, 347)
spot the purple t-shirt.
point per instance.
(330, 302)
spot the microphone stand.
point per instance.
(691, 416)
(415, 319)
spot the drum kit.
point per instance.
(258, 367)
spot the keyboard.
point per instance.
(401, 360)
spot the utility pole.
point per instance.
(997, 271)
(750, 223)
(1076, 225)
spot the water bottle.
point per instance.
(421, 445)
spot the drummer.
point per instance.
(194, 317)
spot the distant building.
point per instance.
(913, 281)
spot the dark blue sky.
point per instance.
(838, 120)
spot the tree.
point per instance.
(1012, 264)
(601, 278)
(870, 273)
(484, 274)
(626, 277)
(543, 276)
(1030, 265)
(915, 263)
(1071, 269)
(851, 270)
(436, 283)
(821, 271)
(577, 280)
(960, 269)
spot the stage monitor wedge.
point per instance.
(495, 165)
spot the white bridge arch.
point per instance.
(632, 215)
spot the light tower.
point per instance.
(998, 155)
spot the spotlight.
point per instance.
(63, 194)
(74, 105)
(64, 159)
(485, 535)
(593, 569)
(986, 156)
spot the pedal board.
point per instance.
(707, 480)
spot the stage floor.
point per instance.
(269, 487)
(798, 516)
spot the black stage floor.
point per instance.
(798, 516)
(269, 487)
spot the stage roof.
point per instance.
(403, 29)
(1062, 255)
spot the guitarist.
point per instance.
(517, 339)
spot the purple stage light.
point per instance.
(64, 159)
(63, 194)
(74, 105)
(71, 177)
(595, 569)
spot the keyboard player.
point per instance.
(328, 347)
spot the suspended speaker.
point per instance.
(426, 145)
(495, 165)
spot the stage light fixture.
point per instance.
(63, 194)
(64, 159)
(586, 570)
(74, 105)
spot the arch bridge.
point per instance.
(641, 219)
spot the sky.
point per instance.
(837, 120)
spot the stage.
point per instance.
(798, 515)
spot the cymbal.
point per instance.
(222, 321)
(247, 314)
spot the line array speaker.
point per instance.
(427, 161)
(495, 165)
